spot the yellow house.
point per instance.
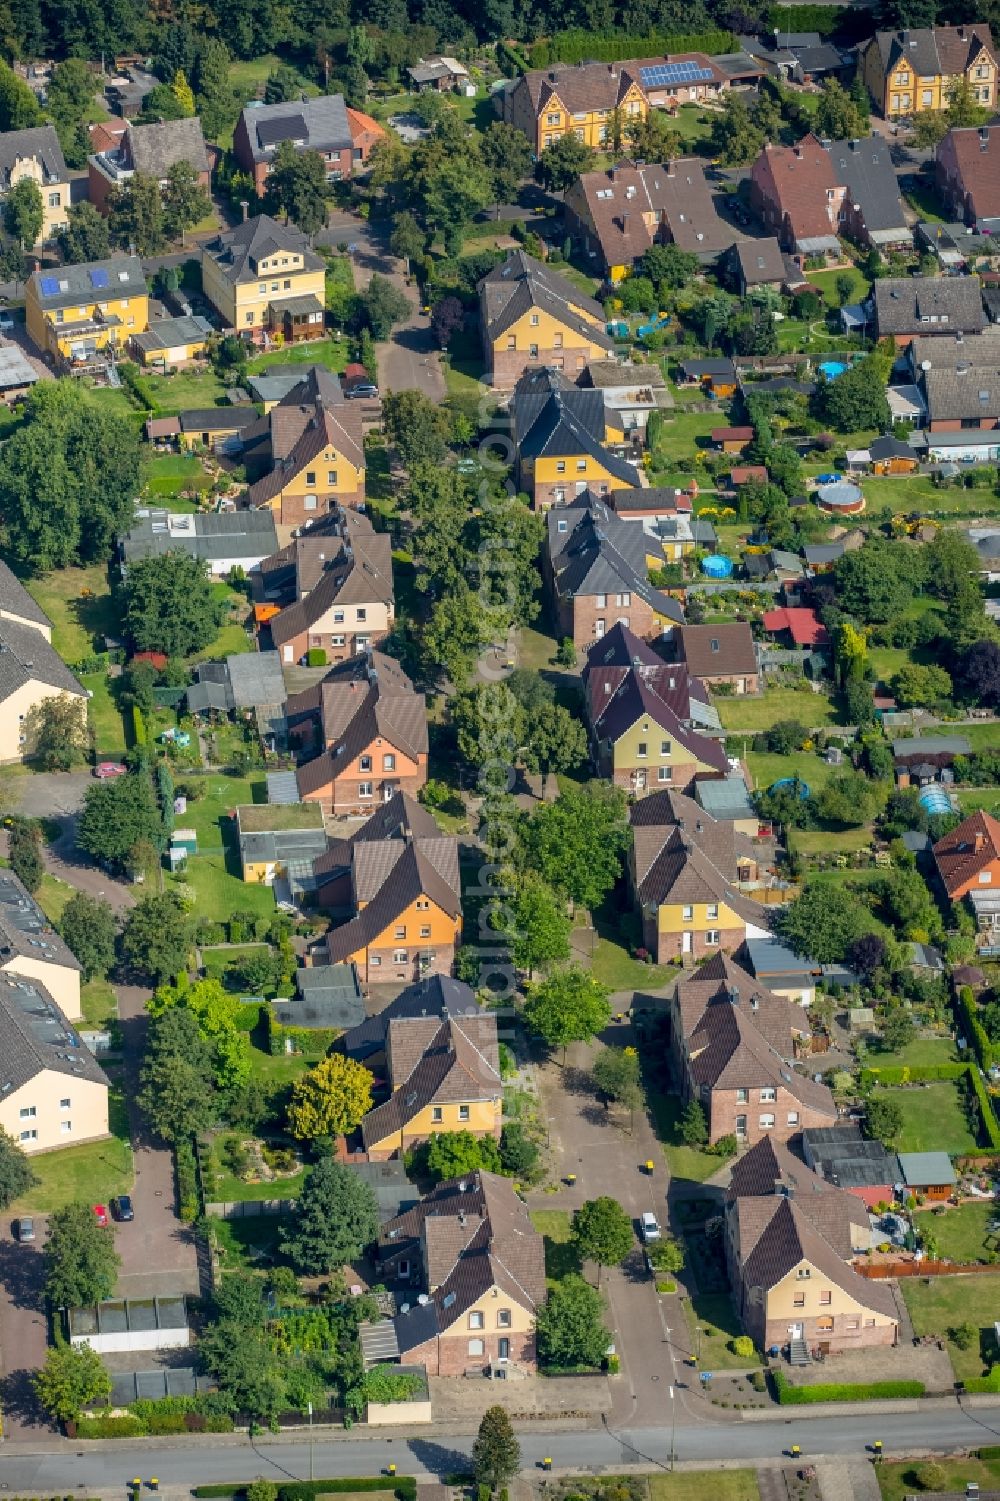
(280, 840)
(53, 1092)
(580, 99)
(172, 341)
(531, 317)
(559, 432)
(643, 731)
(907, 72)
(263, 279)
(36, 156)
(79, 314)
(408, 923)
(444, 1076)
(317, 462)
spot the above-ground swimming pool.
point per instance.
(832, 368)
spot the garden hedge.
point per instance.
(403, 1487)
(965, 1006)
(842, 1391)
(932, 1072)
(576, 45)
(990, 1383)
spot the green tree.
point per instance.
(183, 93)
(455, 632)
(56, 735)
(915, 686)
(822, 922)
(496, 1453)
(218, 1013)
(161, 105)
(848, 798)
(736, 139)
(283, 85)
(602, 1232)
(86, 236)
(883, 1119)
(90, 929)
(135, 215)
(81, 1264)
(930, 127)
(539, 927)
(856, 399)
(335, 1218)
(116, 816)
(652, 138)
(72, 1378)
(16, 1173)
(838, 114)
(297, 187)
(177, 1093)
(185, 201)
(217, 101)
(570, 1326)
(518, 1151)
(669, 267)
(71, 92)
(384, 306)
(667, 1255)
(964, 109)
(578, 842)
(568, 1006)
(170, 605)
(453, 1154)
(873, 583)
(898, 1030)
(844, 285)
(416, 426)
(506, 154)
(563, 162)
(156, 938)
(330, 1099)
(18, 106)
(616, 1074)
(23, 213)
(26, 853)
(407, 240)
(694, 1125)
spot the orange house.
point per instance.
(409, 910)
(968, 859)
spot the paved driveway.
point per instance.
(58, 797)
(22, 1331)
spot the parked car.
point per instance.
(122, 1208)
(100, 1214)
(363, 388)
(649, 1227)
(106, 769)
(24, 1229)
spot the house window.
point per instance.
(476, 1320)
(511, 341)
(852, 1325)
(561, 469)
(826, 1298)
(27, 1112)
(558, 341)
(799, 1300)
(743, 1097)
(309, 503)
(503, 1318)
(623, 599)
(765, 1122)
(400, 932)
(437, 1113)
(475, 1347)
(532, 351)
(29, 1135)
(331, 476)
(825, 1325)
(768, 1093)
(422, 904)
(741, 1125)
(66, 1127)
(262, 286)
(375, 960)
(602, 600)
(687, 913)
(641, 749)
(248, 317)
(793, 1118)
(425, 932)
(713, 645)
(287, 283)
(581, 466)
(65, 1104)
(553, 119)
(54, 199)
(664, 773)
(665, 747)
(365, 763)
(463, 1112)
(362, 616)
(712, 938)
(534, 320)
(869, 1323)
(985, 877)
(599, 628)
(400, 956)
(712, 910)
(310, 476)
(364, 789)
(388, 763)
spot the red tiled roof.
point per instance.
(742, 474)
(797, 180)
(967, 850)
(731, 434)
(804, 627)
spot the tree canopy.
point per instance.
(335, 1218)
(90, 930)
(170, 604)
(81, 1263)
(568, 1006)
(823, 922)
(331, 1099)
(177, 1091)
(570, 1325)
(16, 1172)
(116, 816)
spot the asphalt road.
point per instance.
(193, 1461)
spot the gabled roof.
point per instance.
(788, 1238)
(520, 283)
(599, 553)
(36, 1038)
(804, 626)
(359, 574)
(924, 304)
(934, 50)
(771, 1170)
(974, 156)
(717, 650)
(319, 124)
(638, 697)
(436, 996)
(554, 419)
(154, 149)
(761, 262)
(26, 657)
(970, 848)
(324, 428)
(865, 168)
(399, 717)
(970, 392)
(629, 204)
(90, 281)
(581, 87)
(238, 251)
(798, 180)
(408, 869)
(25, 931)
(40, 144)
(658, 820)
(889, 447)
(15, 600)
(451, 1061)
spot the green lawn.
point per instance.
(216, 961)
(186, 388)
(933, 1119)
(335, 354)
(826, 283)
(766, 769)
(99, 1003)
(919, 1053)
(106, 723)
(463, 368)
(79, 604)
(165, 475)
(684, 435)
(95, 1172)
(705, 1485)
(980, 797)
(964, 1231)
(684, 1161)
(244, 1244)
(555, 1227)
(613, 965)
(832, 838)
(918, 492)
(232, 637)
(218, 894)
(897, 1481)
(227, 1188)
(222, 795)
(937, 1304)
(714, 1315)
(755, 714)
(52, 896)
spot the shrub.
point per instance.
(316, 656)
(742, 1346)
(842, 1391)
(188, 1205)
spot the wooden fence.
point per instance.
(245, 1209)
(878, 1271)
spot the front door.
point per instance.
(795, 1331)
(686, 943)
(640, 781)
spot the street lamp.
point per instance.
(673, 1428)
(310, 1408)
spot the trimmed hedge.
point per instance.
(842, 1391)
(990, 1383)
(965, 1006)
(903, 1074)
(185, 1167)
(986, 1111)
(403, 1487)
(576, 45)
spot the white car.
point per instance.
(649, 1227)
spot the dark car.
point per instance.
(122, 1208)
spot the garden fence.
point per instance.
(877, 1271)
(247, 1209)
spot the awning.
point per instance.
(889, 236)
(297, 307)
(816, 244)
(378, 1343)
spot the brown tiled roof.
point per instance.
(638, 696)
(669, 818)
(976, 155)
(796, 180)
(414, 874)
(581, 87)
(331, 575)
(733, 653)
(458, 1064)
(398, 716)
(629, 204)
(968, 849)
(324, 428)
(788, 1238)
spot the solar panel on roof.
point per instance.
(666, 73)
(99, 278)
(50, 286)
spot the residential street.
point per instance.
(23, 1332)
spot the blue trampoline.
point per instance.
(789, 783)
(935, 800)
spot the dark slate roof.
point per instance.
(24, 928)
(889, 447)
(15, 599)
(35, 1037)
(328, 996)
(208, 535)
(237, 251)
(921, 304)
(865, 168)
(554, 419)
(40, 143)
(599, 553)
(438, 995)
(319, 124)
(26, 657)
(760, 261)
(92, 281)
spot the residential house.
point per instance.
(435, 995)
(802, 56)
(790, 1240)
(735, 1048)
(17, 374)
(476, 1267)
(366, 133)
(906, 306)
(821, 556)
(559, 432)
(222, 540)
(53, 1093)
(929, 1174)
(31, 949)
(720, 654)
(279, 842)
(647, 719)
(727, 800)
(35, 155)
(630, 393)
(873, 209)
(332, 592)
(530, 317)
(307, 452)
(406, 896)
(151, 150)
(373, 726)
(953, 352)
(217, 428)
(758, 263)
(77, 315)
(907, 72)
(843, 1157)
(797, 195)
(921, 759)
(438, 73)
(784, 972)
(747, 474)
(889, 455)
(664, 514)
(685, 871)
(797, 627)
(576, 99)
(319, 124)
(32, 669)
(772, 563)
(596, 568)
(620, 213)
(967, 172)
(263, 278)
(968, 859)
(443, 1075)
(958, 400)
(717, 376)
(402, 817)
(169, 342)
(249, 684)
(732, 439)
(106, 135)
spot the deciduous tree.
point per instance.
(602, 1232)
(330, 1099)
(56, 733)
(453, 1154)
(496, 1453)
(90, 929)
(822, 923)
(170, 605)
(156, 939)
(335, 1218)
(177, 1091)
(16, 1174)
(116, 816)
(883, 1119)
(570, 1326)
(81, 1263)
(577, 843)
(539, 927)
(568, 1006)
(85, 237)
(185, 201)
(72, 1378)
(297, 187)
(561, 163)
(23, 214)
(417, 427)
(384, 305)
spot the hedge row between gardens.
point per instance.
(931, 1072)
(403, 1487)
(841, 1391)
(972, 1027)
(576, 45)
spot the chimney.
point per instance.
(978, 841)
(798, 152)
(245, 209)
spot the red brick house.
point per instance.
(322, 124)
(735, 1045)
(152, 150)
(720, 654)
(795, 191)
(967, 170)
(471, 1248)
